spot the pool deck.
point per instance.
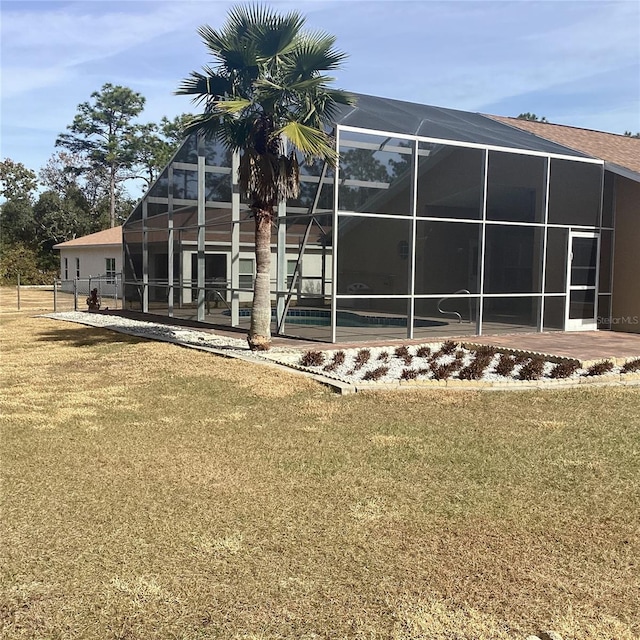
(585, 346)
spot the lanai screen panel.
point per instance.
(438, 221)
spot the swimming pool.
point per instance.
(322, 318)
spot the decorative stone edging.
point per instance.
(345, 388)
(279, 360)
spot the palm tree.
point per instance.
(268, 98)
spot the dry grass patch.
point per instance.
(157, 492)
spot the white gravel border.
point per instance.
(347, 377)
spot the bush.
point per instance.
(362, 357)
(505, 365)
(564, 369)
(423, 351)
(486, 351)
(23, 260)
(533, 369)
(409, 374)
(383, 356)
(403, 353)
(448, 347)
(475, 369)
(443, 371)
(632, 365)
(376, 374)
(599, 368)
(312, 359)
(338, 358)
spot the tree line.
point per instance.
(81, 189)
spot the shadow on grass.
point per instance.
(88, 337)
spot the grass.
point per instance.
(150, 491)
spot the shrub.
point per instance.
(312, 359)
(383, 356)
(404, 355)
(533, 369)
(376, 374)
(632, 365)
(443, 371)
(409, 374)
(423, 351)
(338, 358)
(362, 357)
(475, 369)
(486, 350)
(505, 365)
(448, 347)
(521, 358)
(564, 369)
(599, 368)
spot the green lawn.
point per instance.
(150, 491)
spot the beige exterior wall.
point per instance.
(92, 260)
(625, 314)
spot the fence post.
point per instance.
(75, 293)
(55, 295)
(18, 292)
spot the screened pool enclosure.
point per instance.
(435, 223)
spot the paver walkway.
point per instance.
(582, 345)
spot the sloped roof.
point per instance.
(410, 118)
(101, 238)
(620, 150)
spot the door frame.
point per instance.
(581, 324)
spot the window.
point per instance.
(246, 271)
(66, 268)
(110, 270)
(77, 267)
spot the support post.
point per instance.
(201, 230)
(18, 292)
(235, 240)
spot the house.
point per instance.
(91, 256)
(437, 222)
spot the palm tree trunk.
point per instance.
(260, 332)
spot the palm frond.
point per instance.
(311, 142)
(203, 85)
(207, 124)
(277, 35)
(231, 106)
(315, 53)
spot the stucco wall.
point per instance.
(92, 260)
(625, 315)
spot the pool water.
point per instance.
(321, 318)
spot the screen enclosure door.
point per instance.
(582, 278)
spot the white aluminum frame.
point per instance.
(581, 324)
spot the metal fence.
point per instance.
(71, 295)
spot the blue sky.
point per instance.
(576, 62)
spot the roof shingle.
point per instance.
(611, 147)
(111, 236)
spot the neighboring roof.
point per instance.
(397, 116)
(613, 148)
(108, 237)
